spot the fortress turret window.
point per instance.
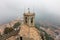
(32, 20)
(26, 19)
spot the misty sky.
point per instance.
(46, 10)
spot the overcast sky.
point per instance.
(44, 9)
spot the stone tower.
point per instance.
(29, 18)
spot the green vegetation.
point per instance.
(8, 30)
(16, 25)
(47, 37)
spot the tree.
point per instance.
(16, 25)
(8, 30)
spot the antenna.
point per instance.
(28, 10)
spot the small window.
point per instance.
(20, 38)
(32, 20)
(26, 19)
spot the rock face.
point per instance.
(30, 32)
(27, 33)
(11, 38)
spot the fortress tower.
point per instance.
(29, 18)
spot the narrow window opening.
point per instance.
(26, 19)
(20, 38)
(31, 20)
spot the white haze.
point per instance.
(46, 10)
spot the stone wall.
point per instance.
(30, 32)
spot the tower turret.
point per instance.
(29, 18)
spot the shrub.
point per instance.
(8, 30)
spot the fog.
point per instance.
(45, 10)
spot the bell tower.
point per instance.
(29, 18)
